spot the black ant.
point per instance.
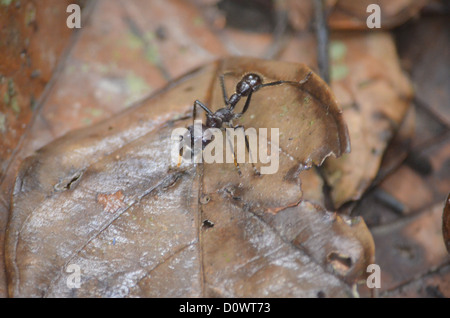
(249, 84)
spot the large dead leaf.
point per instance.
(408, 248)
(107, 199)
(376, 96)
(121, 54)
(31, 45)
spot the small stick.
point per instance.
(322, 40)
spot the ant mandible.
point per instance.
(249, 84)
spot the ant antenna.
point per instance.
(303, 81)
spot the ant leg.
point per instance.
(234, 157)
(303, 81)
(192, 128)
(236, 164)
(203, 106)
(180, 156)
(247, 145)
(247, 103)
(224, 90)
(182, 146)
(194, 111)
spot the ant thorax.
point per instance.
(221, 116)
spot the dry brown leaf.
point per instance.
(375, 96)
(120, 56)
(29, 55)
(107, 199)
(350, 15)
(409, 248)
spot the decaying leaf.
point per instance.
(408, 248)
(122, 53)
(375, 96)
(108, 199)
(31, 46)
(348, 14)
(310, 122)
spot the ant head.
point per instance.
(249, 83)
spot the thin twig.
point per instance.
(322, 40)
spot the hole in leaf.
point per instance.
(207, 224)
(341, 263)
(69, 182)
(205, 199)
